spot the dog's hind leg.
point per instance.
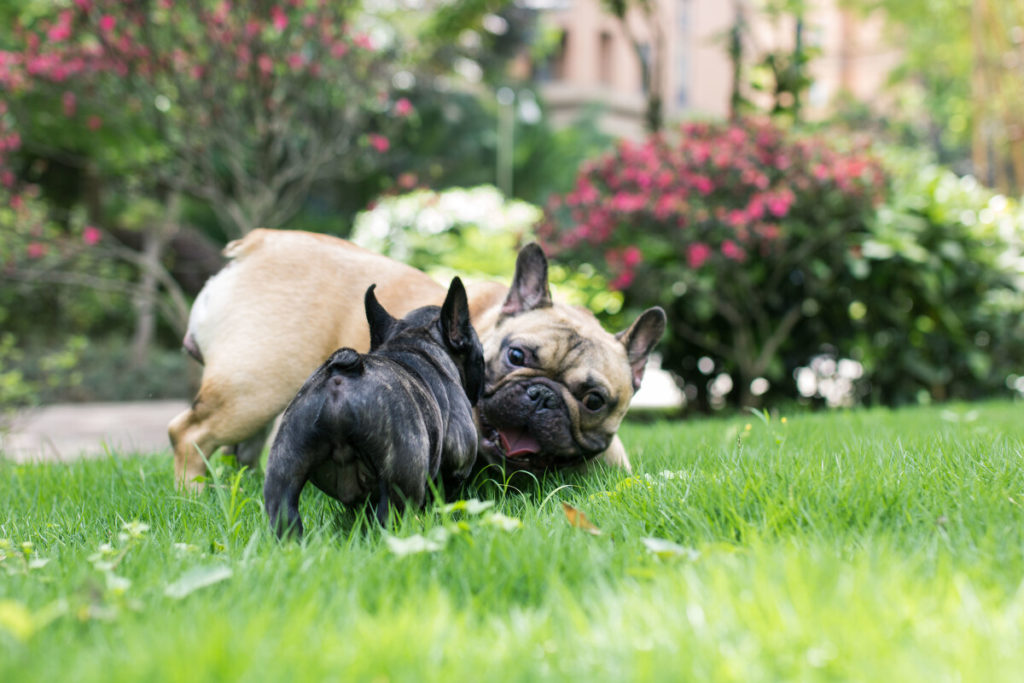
(248, 452)
(288, 471)
(215, 419)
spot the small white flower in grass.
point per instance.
(118, 585)
(412, 545)
(435, 540)
(473, 506)
(103, 558)
(503, 522)
(664, 548)
(185, 548)
(133, 530)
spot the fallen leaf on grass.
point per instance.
(664, 548)
(579, 520)
(196, 578)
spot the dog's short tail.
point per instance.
(347, 361)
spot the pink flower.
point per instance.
(36, 250)
(7, 179)
(628, 202)
(84, 5)
(403, 107)
(295, 61)
(107, 23)
(362, 40)
(732, 251)
(91, 235)
(755, 209)
(778, 205)
(266, 64)
(665, 205)
(278, 18)
(338, 50)
(736, 218)
(17, 202)
(62, 30)
(407, 181)
(379, 142)
(632, 256)
(737, 135)
(696, 254)
(69, 103)
(703, 184)
(624, 280)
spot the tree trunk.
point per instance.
(155, 242)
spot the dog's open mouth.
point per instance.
(517, 444)
(521, 450)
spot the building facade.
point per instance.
(598, 60)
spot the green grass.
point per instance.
(868, 545)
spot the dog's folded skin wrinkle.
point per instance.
(376, 427)
(288, 299)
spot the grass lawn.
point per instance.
(873, 545)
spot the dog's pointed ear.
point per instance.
(379, 320)
(458, 333)
(640, 338)
(529, 288)
(455, 325)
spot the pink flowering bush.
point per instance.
(239, 106)
(735, 229)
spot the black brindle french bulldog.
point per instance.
(377, 426)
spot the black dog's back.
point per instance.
(367, 426)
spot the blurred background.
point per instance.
(824, 195)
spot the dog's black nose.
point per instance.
(541, 396)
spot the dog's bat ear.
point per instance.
(640, 338)
(380, 321)
(460, 337)
(455, 325)
(529, 288)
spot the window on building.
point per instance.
(555, 66)
(605, 58)
(645, 67)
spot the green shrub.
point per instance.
(934, 297)
(864, 275)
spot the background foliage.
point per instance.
(771, 248)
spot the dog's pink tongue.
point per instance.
(518, 444)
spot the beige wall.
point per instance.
(599, 63)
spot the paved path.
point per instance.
(64, 432)
(59, 433)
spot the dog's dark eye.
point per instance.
(516, 356)
(593, 401)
